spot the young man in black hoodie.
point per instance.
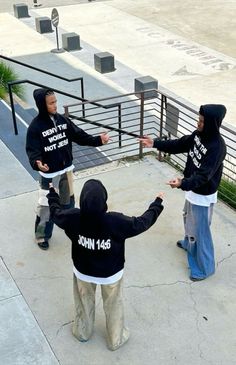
(49, 148)
(206, 151)
(98, 254)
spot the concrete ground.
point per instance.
(188, 46)
(172, 320)
(191, 50)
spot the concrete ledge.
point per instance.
(21, 10)
(146, 83)
(43, 24)
(70, 41)
(104, 62)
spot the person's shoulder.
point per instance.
(34, 124)
(116, 218)
(216, 146)
(63, 118)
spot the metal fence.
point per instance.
(148, 113)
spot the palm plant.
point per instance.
(7, 74)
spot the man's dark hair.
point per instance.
(49, 92)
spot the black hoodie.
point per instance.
(52, 143)
(98, 237)
(206, 152)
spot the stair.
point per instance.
(84, 156)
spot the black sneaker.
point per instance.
(179, 244)
(43, 245)
(196, 279)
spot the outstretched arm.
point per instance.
(79, 136)
(174, 146)
(132, 226)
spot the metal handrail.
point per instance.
(43, 71)
(82, 98)
(97, 124)
(150, 116)
(10, 84)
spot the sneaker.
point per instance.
(43, 245)
(179, 244)
(196, 279)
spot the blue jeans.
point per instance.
(198, 240)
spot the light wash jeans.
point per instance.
(198, 240)
(84, 298)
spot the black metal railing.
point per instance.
(26, 65)
(162, 116)
(10, 85)
(46, 72)
(132, 115)
(81, 98)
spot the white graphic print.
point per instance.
(93, 244)
(55, 136)
(198, 151)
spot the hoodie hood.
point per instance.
(93, 198)
(213, 115)
(40, 100)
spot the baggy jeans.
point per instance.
(198, 240)
(84, 299)
(43, 223)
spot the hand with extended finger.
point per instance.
(105, 137)
(146, 141)
(175, 183)
(160, 195)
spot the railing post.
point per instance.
(82, 94)
(141, 123)
(163, 101)
(66, 111)
(119, 125)
(12, 109)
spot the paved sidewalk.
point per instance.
(172, 320)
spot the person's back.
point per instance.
(98, 246)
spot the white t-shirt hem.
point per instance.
(202, 200)
(97, 280)
(57, 173)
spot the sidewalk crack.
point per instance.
(225, 258)
(156, 285)
(63, 325)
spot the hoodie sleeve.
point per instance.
(33, 147)
(61, 217)
(79, 136)
(174, 146)
(132, 226)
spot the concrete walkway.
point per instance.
(172, 320)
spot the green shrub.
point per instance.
(7, 74)
(227, 192)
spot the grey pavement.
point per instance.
(171, 319)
